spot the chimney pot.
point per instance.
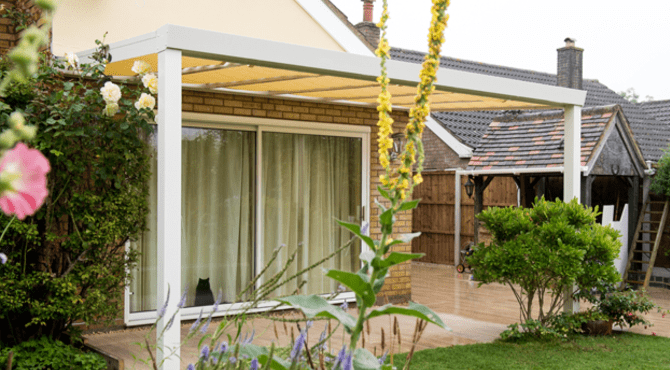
(368, 6)
(569, 72)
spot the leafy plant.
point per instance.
(627, 307)
(661, 181)
(68, 262)
(541, 252)
(45, 353)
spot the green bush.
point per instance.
(68, 262)
(542, 251)
(45, 353)
(661, 183)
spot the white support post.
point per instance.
(169, 206)
(572, 173)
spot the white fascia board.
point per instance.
(334, 27)
(517, 171)
(130, 48)
(452, 142)
(247, 50)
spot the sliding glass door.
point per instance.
(297, 181)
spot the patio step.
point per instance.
(655, 228)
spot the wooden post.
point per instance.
(633, 208)
(587, 183)
(479, 204)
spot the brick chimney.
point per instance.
(368, 28)
(570, 65)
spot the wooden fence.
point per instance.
(434, 217)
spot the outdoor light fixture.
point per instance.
(398, 145)
(469, 187)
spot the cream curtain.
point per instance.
(308, 182)
(217, 218)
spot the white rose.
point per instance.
(72, 60)
(146, 101)
(150, 82)
(110, 109)
(141, 67)
(110, 92)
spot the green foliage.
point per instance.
(68, 262)
(544, 250)
(661, 182)
(626, 308)
(632, 96)
(45, 353)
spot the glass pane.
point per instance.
(308, 182)
(218, 171)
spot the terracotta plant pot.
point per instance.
(598, 327)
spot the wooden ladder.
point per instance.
(637, 253)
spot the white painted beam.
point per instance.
(572, 174)
(452, 142)
(169, 206)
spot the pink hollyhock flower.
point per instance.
(24, 182)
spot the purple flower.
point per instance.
(250, 339)
(309, 324)
(204, 327)
(204, 353)
(340, 357)
(322, 339)
(365, 228)
(196, 323)
(254, 364)
(297, 347)
(3, 258)
(383, 358)
(232, 360)
(169, 324)
(190, 367)
(224, 347)
(161, 313)
(348, 362)
(344, 306)
(218, 300)
(182, 301)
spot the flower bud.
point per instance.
(8, 138)
(16, 120)
(27, 132)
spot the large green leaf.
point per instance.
(357, 283)
(414, 309)
(383, 192)
(395, 258)
(356, 229)
(315, 306)
(406, 206)
(262, 354)
(364, 360)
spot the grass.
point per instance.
(619, 351)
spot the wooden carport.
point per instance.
(528, 149)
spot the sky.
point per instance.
(626, 43)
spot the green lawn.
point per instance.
(620, 351)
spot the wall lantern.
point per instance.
(398, 145)
(469, 187)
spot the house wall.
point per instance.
(277, 20)
(8, 34)
(398, 286)
(439, 156)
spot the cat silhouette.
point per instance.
(203, 293)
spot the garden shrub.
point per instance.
(542, 251)
(661, 182)
(45, 353)
(68, 262)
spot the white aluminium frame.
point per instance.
(259, 126)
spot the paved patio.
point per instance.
(474, 315)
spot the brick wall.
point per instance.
(398, 286)
(8, 33)
(439, 156)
